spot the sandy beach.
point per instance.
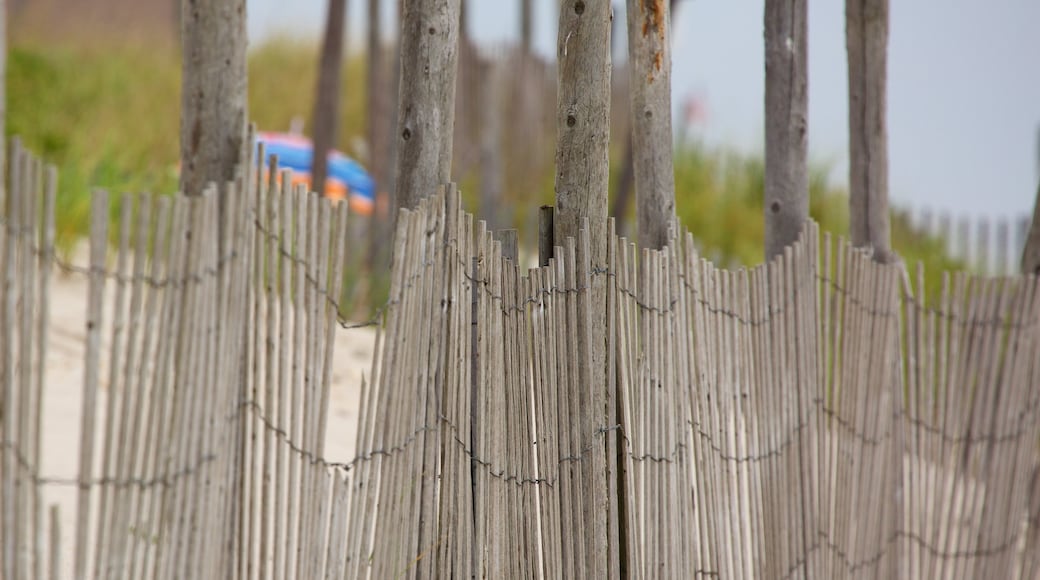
(63, 396)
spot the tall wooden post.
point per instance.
(213, 91)
(325, 120)
(787, 173)
(583, 133)
(866, 30)
(376, 94)
(426, 103)
(490, 110)
(526, 28)
(650, 63)
(583, 121)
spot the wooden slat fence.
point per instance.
(808, 418)
(983, 244)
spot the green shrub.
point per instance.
(109, 117)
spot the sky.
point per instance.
(963, 85)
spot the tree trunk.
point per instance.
(426, 105)
(650, 63)
(787, 174)
(526, 29)
(582, 181)
(325, 123)
(213, 92)
(866, 29)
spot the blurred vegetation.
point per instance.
(719, 198)
(108, 118)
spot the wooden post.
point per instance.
(510, 244)
(545, 234)
(787, 174)
(1031, 250)
(376, 95)
(383, 90)
(582, 171)
(650, 62)
(866, 29)
(623, 189)
(490, 110)
(426, 103)
(213, 130)
(582, 121)
(325, 120)
(526, 30)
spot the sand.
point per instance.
(63, 395)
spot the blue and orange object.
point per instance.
(346, 179)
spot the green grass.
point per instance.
(719, 198)
(108, 117)
(105, 118)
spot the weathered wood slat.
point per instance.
(817, 416)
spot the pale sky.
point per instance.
(964, 85)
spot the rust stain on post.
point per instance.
(655, 18)
(653, 12)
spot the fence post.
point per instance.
(582, 182)
(650, 62)
(426, 102)
(787, 174)
(491, 176)
(545, 234)
(510, 242)
(866, 26)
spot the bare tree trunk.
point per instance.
(582, 182)
(526, 29)
(650, 63)
(866, 30)
(787, 174)
(426, 106)
(325, 124)
(213, 92)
